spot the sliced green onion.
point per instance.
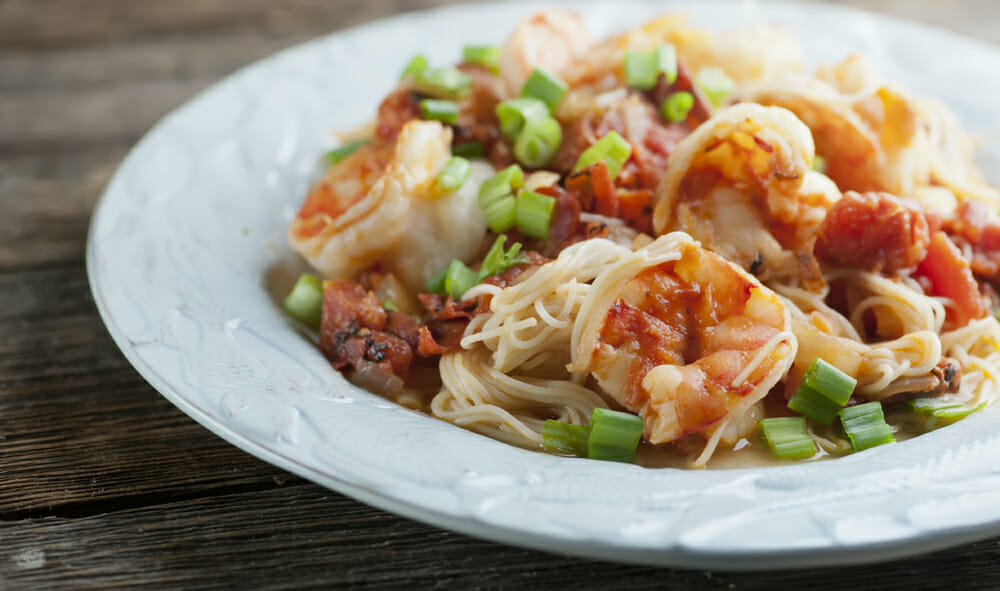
(468, 150)
(436, 283)
(819, 164)
(643, 68)
(513, 114)
(544, 86)
(454, 174)
(390, 306)
(787, 437)
(933, 407)
(498, 260)
(446, 83)
(538, 142)
(458, 279)
(337, 154)
(640, 69)
(865, 425)
(417, 65)
(501, 214)
(571, 439)
(613, 435)
(305, 302)
(666, 61)
(716, 85)
(612, 148)
(440, 110)
(534, 214)
(675, 107)
(484, 55)
(824, 390)
(501, 184)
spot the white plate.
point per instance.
(189, 239)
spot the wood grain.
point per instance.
(80, 428)
(303, 537)
(104, 483)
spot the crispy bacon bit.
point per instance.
(639, 122)
(346, 304)
(440, 338)
(356, 328)
(564, 227)
(950, 275)
(428, 347)
(513, 274)
(595, 189)
(975, 224)
(446, 324)
(477, 119)
(635, 207)
(700, 112)
(403, 326)
(873, 231)
(399, 107)
(446, 308)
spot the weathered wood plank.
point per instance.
(157, 59)
(305, 537)
(79, 426)
(44, 24)
(46, 198)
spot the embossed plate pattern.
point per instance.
(186, 242)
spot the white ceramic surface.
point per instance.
(190, 235)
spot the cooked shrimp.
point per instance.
(758, 52)
(551, 39)
(742, 184)
(684, 338)
(381, 204)
(864, 129)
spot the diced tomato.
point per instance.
(595, 189)
(951, 276)
(635, 207)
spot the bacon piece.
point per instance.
(396, 109)
(356, 328)
(513, 274)
(447, 322)
(873, 231)
(347, 304)
(640, 123)
(700, 112)
(951, 276)
(564, 228)
(441, 338)
(477, 119)
(975, 224)
(635, 207)
(428, 346)
(403, 326)
(446, 308)
(595, 189)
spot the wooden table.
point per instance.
(103, 482)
